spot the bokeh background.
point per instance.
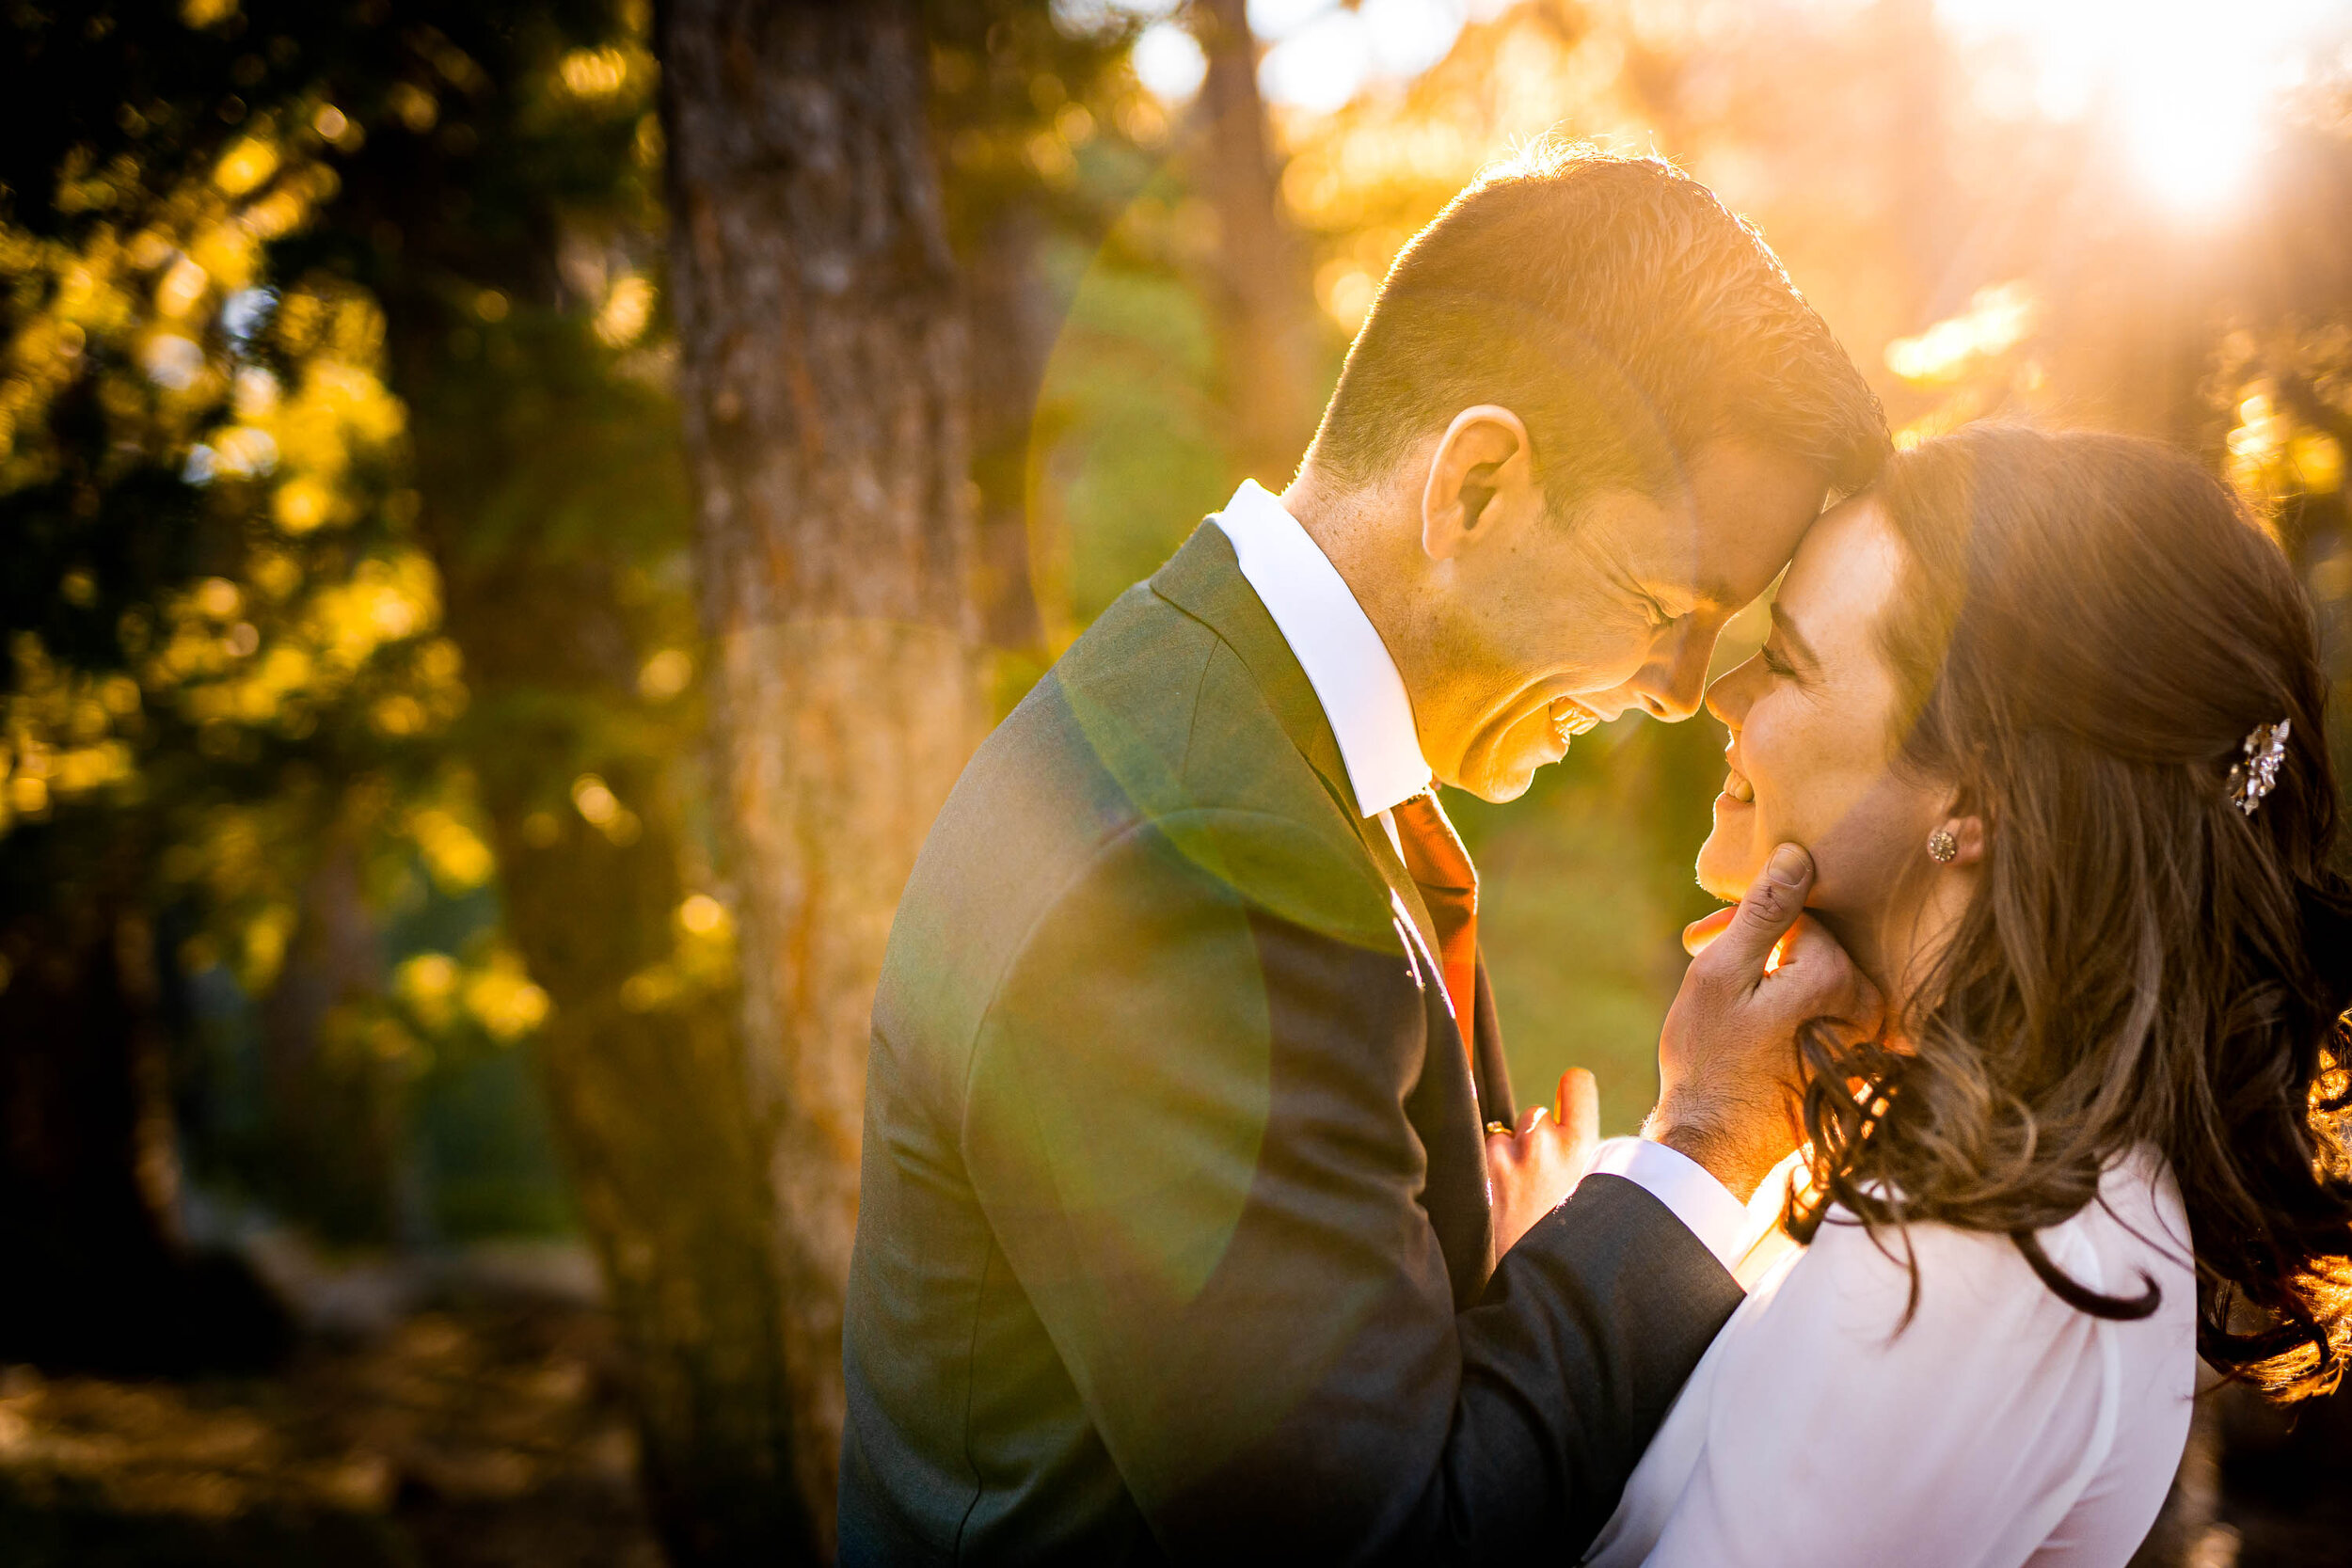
(403, 1148)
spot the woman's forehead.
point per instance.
(1844, 572)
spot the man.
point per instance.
(1175, 1241)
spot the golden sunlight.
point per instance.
(2186, 87)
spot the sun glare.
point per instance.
(2185, 86)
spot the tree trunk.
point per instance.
(822, 366)
(97, 1275)
(648, 1107)
(84, 1188)
(520, 429)
(645, 1091)
(1264, 299)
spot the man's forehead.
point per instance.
(1718, 539)
(1744, 513)
(1728, 561)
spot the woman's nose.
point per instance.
(1727, 699)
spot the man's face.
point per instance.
(1550, 627)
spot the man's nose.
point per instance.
(1672, 690)
(1673, 707)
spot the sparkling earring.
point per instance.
(1943, 849)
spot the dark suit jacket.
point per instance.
(1174, 1241)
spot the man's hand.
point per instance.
(1727, 1062)
(1531, 1169)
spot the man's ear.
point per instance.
(1480, 475)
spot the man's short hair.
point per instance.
(1619, 308)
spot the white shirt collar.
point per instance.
(1353, 679)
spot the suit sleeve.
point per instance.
(1187, 1125)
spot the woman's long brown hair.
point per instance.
(2086, 628)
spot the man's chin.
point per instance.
(1496, 788)
(1501, 762)
(1496, 778)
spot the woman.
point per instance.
(2048, 712)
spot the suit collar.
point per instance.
(1204, 579)
(1354, 675)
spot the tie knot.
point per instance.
(1433, 851)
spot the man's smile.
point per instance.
(1570, 719)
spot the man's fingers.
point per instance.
(1817, 979)
(1700, 935)
(1770, 907)
(1811, 956)
(1576, 1106)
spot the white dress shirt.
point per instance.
(1364, 700)
(2000, 1428)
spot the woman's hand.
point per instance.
(1531, 1169)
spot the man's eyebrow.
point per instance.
(1795, 638)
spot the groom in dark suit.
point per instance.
(1176, 1242)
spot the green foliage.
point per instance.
(224, 610)
(221, 631)
(1136, 461)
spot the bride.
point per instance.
(2048, 712)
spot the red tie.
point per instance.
(1448, 886)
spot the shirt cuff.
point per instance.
(1702, 1204)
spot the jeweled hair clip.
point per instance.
(2258, 775)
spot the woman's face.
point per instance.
(1811, 717)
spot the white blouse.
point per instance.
(2001, 1427)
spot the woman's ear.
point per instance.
(1969, 836)
(1965, 823)
(1480, 473)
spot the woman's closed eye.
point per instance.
(1775, 662)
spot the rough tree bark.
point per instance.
(822, 379)
(1265, 300)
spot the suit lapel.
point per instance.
(1490, 1070)
(1458, 1090)
(1391, 868)
(1204, 579)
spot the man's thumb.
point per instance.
(1771, 905)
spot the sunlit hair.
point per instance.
(1621, 311)
(2086, 628)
